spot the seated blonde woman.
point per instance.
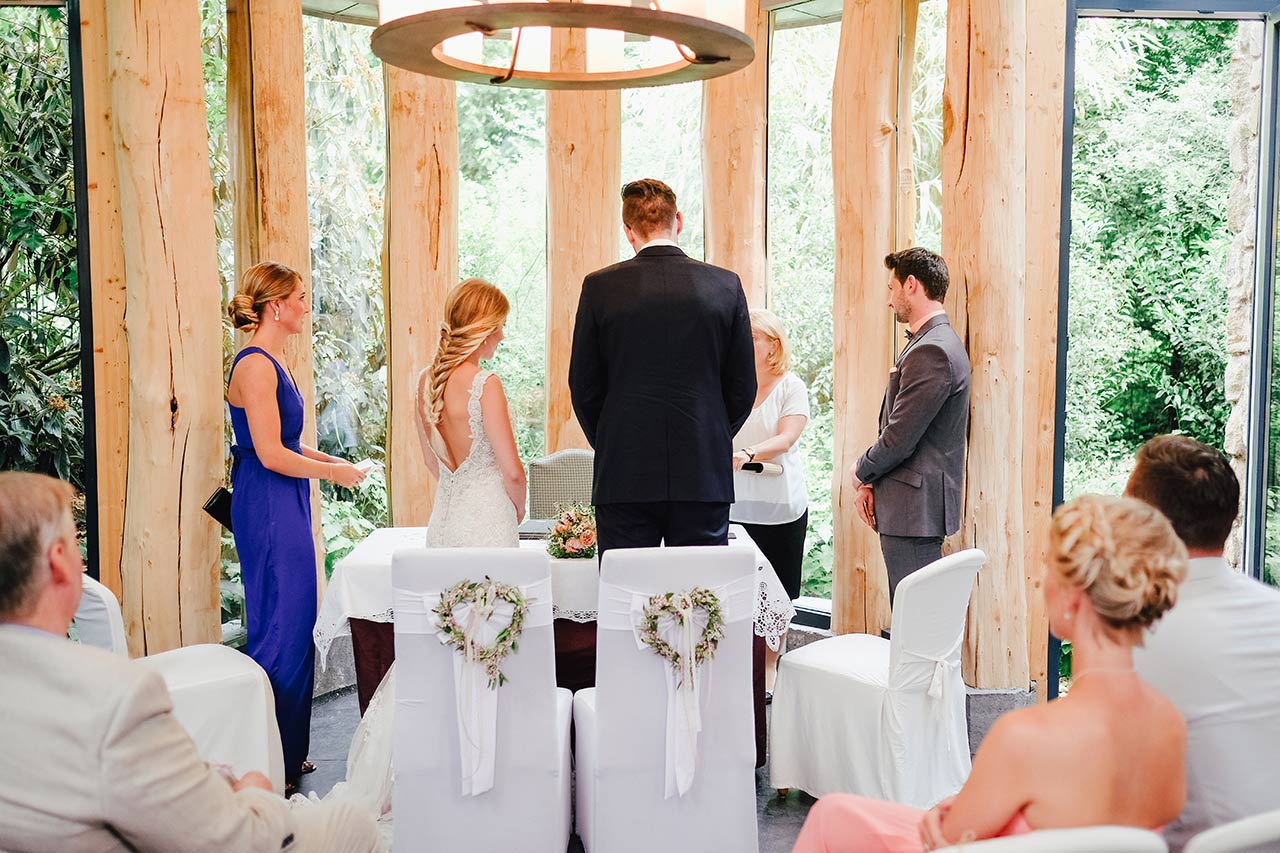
(1113, 752)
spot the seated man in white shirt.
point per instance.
(91, 756)
(1216, 654)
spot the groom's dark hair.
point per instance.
(648, 205)
(928, 267)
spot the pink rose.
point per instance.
(562, 528)
(573, 546)
(567, 517)
(588, 537)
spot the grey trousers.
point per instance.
(905, 554)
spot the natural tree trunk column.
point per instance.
(584, 172)
(419, 266)
(170, 556)
(1046, 57)
(863, 140)
(108, 292)
(267, 130)
(984, 240)
(735, 112)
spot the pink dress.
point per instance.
(844, 823)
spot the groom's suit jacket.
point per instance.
(92, 759)
(662, 376)
(917, 462)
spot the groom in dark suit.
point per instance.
(909, 482)
(662, 376)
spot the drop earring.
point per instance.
(277, 313)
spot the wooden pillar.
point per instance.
(419, 266)
(267, 134)
(172, 321)
(906, 169)
(584, 174)
(863, 142)
(984, 240)
(108, 292)
(735, 111)
(1046, 66)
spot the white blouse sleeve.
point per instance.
(795, 397)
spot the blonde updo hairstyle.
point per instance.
(474, 310)
(260, 285)
(1123, 554)
(768, 324)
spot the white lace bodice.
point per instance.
(472, 509)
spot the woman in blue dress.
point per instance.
(271, 499)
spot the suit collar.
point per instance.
(660, 251)
(935, 320)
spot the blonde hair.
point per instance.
(1123, 553)
(34, 511)
(768, 324)
(473, 311)
(261, 283)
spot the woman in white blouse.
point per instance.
(773, 505)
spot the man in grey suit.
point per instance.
(91, 756)
(909, 482)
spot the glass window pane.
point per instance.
(346, 162)
(801, 233)
(503, 236)
(662, 138)
(1163, 189)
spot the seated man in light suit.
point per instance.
(91, 756)
(1216, 654)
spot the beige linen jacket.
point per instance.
(92, 759)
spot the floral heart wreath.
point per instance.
(483, 596)
(677, 604)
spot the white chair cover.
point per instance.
(631, 761)
(1111, 839)
(98, 621)
(224, 701)
(527, 806)
(1257, 834)
(880, 718)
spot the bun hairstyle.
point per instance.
(473, 311)
(261, 284)
(768, 324)
(1123, 553)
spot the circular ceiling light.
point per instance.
(599, 44)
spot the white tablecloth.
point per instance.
(361, 587)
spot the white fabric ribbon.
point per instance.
(477, 702)
(941, 679)
(623, 609)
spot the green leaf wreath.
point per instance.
(483, 595)
(675, 603)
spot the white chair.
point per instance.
(220, 696)
(622, 723)
(98, 621)
(881, 718)
(1093, 839)
(1257, 834)
(224, 701)
(528, 807)
(562, 478)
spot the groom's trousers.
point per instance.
(906, 554)
(647, 525)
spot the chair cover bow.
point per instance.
(477, 701)
(687, 683)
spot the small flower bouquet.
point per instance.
(574, 534)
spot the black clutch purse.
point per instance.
(219, 506)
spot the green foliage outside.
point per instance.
(1151, 177)
(41, 426)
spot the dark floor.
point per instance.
(334, 718)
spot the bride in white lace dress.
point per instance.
(468, 445)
